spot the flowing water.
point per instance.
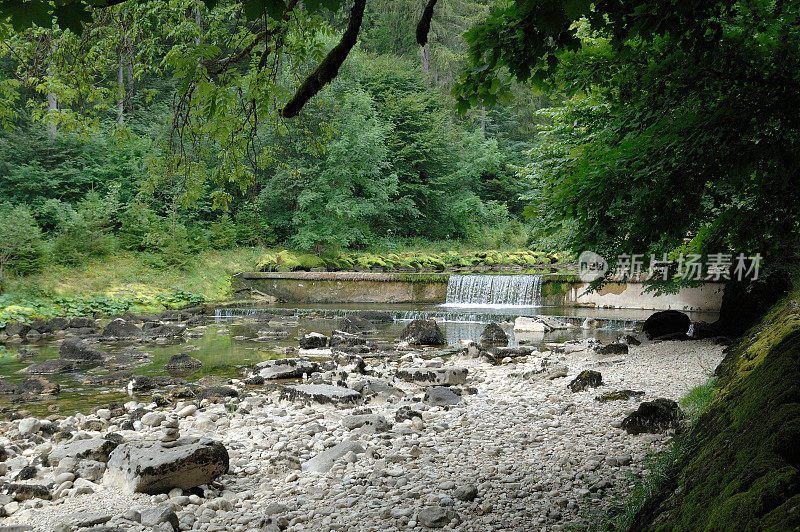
(227, 341)
(500, 291)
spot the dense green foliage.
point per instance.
(682, 130)
(153, 146)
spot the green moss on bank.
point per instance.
(739, 470)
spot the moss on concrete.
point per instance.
(740, 467)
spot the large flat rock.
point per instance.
(321, 393)
(147, 467)
(446, 376)
(286, 368)
(92, 449)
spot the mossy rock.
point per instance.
(740, 470)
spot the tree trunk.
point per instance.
(52, 106)
(121, 89)
(426, 58)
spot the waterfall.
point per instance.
(494, 290)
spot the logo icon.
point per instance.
(591, 266)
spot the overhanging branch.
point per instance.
(329, 67)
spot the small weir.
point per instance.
(494, 291)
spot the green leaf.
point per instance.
(72, 15)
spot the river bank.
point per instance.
(516, 450)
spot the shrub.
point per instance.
(21, 246)
(223, 233)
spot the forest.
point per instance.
(164, 128)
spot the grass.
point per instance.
(130, 274)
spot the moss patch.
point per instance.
(740, 467)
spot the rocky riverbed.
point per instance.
(485, 440)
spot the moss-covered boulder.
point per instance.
(741, 467)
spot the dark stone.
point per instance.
(120, 329)
(141, 383)
(653, 417)
(494, 334)
(3, 453)
(81, 323)
(702, 329)
(477, 352)
(441, 396)
(38, 385)
(375, 316)
(47, 367)
(7, 388)
(286, 368)
(629, 340)
(159, 400)
(56, 324)
(613, 349)
(182, 392)
(586, 379)
(216, 392)
(621, 395)
(356, 325)
(79, 352)
(435, 516)
(26, 473)
(17, 329)
(259, 317)
(313, 341)
(80, 332)
(182, 363)
(406, 412)
(466, 493)
(23, 492)
(666, 322)
(423, 332)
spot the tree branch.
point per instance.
(329, 67)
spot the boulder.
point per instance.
(585, 379)
(370, 422)
(349, 363)
(79, 352)
(38, 385)
(494, 334)
(27, 354)
(313, 340)
(654, 416)
(17, 328)
(56, 324)
(441, 396)
(702, 329)
(474, 352)
(286, 368)
(29, 425)
(97, 449)
(466, 493)
(345, 339)
(445, 376)
(531, 325)
(423, 332)
(152, 329)
(435, 516)
(147, 467)
(216, 392)
(406, 412)
(375, 316)
(666, 323)
(321, 393)
(120, 329)
(619, 395)
(81, 322)
(182, 363)
(324, 461)
(47, 367)
(375, 389)
(356, 325)
(613, 349)
(24, 492)
(159, 515)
